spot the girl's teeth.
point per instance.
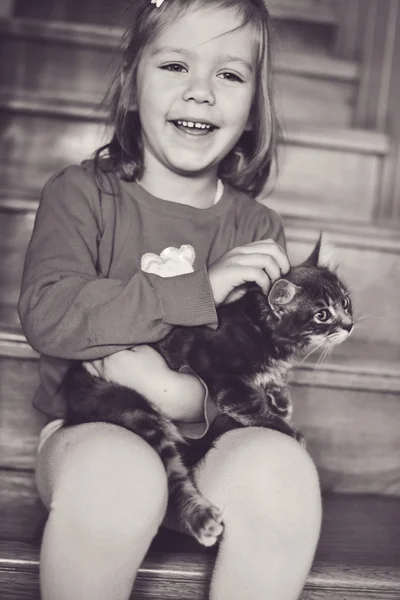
(192, 124)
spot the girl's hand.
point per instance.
(262, 262)
(179, 395)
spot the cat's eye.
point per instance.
(323, 315)
(345, 302)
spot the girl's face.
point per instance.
(195, 87)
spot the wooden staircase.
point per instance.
(335, 176)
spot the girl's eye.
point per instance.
(174, 68)
(345, 302)
(231, 77)
(322, 316)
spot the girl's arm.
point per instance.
(69, 310)
(179, 395)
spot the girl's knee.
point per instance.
(110, 481)
(261, 470)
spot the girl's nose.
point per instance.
(200, 90)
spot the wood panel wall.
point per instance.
(351, 27)
(90, 11)
(369, 31)
(100, 11)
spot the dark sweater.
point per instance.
(84, 295)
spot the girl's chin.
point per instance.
(192, 168)
(191, 163)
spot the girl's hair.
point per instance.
(248, 165)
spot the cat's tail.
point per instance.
(91, 399)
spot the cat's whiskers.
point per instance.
(313, 349)
(370, 317)
(325, 352)
(361, 319)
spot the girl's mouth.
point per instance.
(194, 127)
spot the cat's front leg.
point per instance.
(275, 422)
(250, 405)
(281, 406)
(279, 402)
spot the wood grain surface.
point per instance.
(358, 555)
(101, 11)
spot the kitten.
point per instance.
(245, 364)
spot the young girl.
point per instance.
(157, 231)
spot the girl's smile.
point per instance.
(195, 88)
(191, 127)
(194, 127)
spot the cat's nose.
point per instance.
(348, 327)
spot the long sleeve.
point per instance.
(69, 309)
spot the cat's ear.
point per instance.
(322, 255)
(281, 293)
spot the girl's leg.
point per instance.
(268, 489)
(106, 490)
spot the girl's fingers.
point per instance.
(261, 262)
(262, 279)
(265, 248)
(247, 274)
(90, 367)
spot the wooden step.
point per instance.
(73, 58)
(107, 38)
(358, 556)
(34, 146)
(59, 56)
(100, 11)
(315, 11)
(329, 173)
(314, 90)
(316, 66)
(16, 229)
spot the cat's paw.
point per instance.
(292, 432)
(281, 406)
(299, 437)
(205, 522)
